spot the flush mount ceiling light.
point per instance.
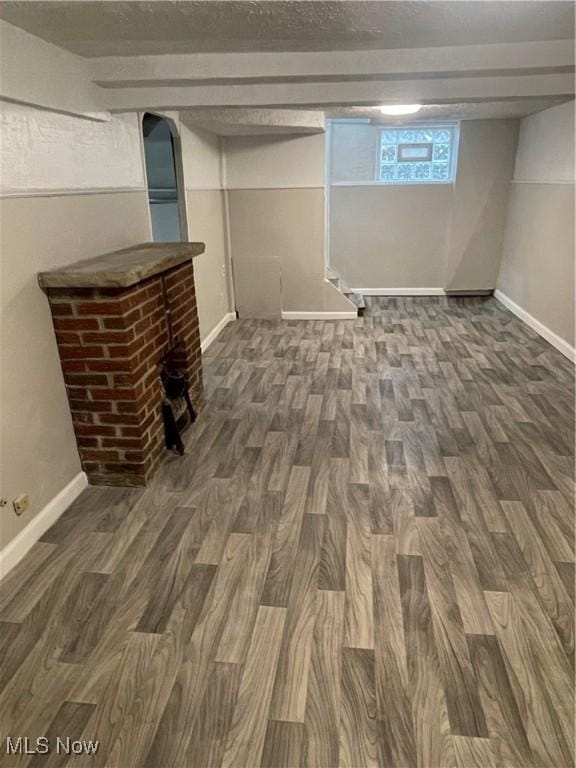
(400, 109)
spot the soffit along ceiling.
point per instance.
(106, 28)
(242, 122)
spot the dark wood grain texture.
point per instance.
(364, 558)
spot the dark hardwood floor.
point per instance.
(366, 558)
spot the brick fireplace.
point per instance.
(115, 319)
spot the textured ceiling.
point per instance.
(230, 122)
(244, 122)
(466, 111)
(107, 28)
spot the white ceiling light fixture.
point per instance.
(400, 109)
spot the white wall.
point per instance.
(546, 146)
(49, 151)
(38, 73)
(202, 159)
(537, 270)
(71, 189)
(275, 162)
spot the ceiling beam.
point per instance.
(40, 74)
(235, 122)
(315, 95)
(217, 69)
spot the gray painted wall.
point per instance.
(276, 201)
(39, 455)
(390, 236)
(423, 235)
(479, 202)
(206, 222)
(537, 271)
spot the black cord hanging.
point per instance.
(177, 409)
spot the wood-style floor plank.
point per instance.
(291, 684)
(284, 548)
(69, 723)
(214, 719)
(358, 617)
(245, 740)
(333, 558)
(503, 717)
(322, 717)
(474, 752)
(547, 736)
(173, 730)
(394, 705)
(358, 725)
(551, 590)
(283, 745)
(462, 698)
(431, 723)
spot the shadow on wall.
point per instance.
(477, 258)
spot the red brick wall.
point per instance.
(110, 342)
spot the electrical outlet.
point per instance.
(21, 503)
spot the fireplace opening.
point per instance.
(178, 412)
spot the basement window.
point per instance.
(418, 154)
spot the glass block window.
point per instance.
(418, 154)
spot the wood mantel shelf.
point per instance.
(121, 269)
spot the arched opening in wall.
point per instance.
(164, 178)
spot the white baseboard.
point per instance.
(228, 318)
(553, 338)
(400, 291)
(15, 550)
(319, 315)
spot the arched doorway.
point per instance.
(164, 178)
